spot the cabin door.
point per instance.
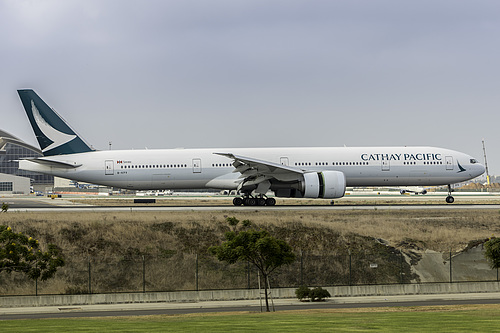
(108, 167)
(449, 162)
(196, 165)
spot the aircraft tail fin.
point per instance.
(54, 135)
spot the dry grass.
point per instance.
(115, 242)
(438, 230)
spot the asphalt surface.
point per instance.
(27, 203)
(231, 208)
(387, 202)
(42, 204)
(148, 309)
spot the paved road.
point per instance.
(145, 309)
(27, 203)
(51, 208)
(44, 204)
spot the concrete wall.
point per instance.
(220, 295)
(20, 185)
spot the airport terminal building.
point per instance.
(13, 180)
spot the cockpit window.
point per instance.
(473, 161)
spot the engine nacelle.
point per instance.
(324, 184)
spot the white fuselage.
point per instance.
(203, 168)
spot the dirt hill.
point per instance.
(118, 252)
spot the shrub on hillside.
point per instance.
(302, 292)
(317, 294)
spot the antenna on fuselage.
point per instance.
(486, 166)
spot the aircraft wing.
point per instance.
(259, 172)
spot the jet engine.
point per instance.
(324, 184)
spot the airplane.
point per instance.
(318, 172)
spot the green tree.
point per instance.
(20, 253)
(492, 252)
(255, 246)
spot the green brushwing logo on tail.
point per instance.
(54, 135)
(57, 138)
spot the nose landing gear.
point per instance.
(449, 198)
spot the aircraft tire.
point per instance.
(450, 199)
(261, 202)
(251, 201)
(237, 201)
(270, 202)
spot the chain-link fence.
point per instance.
(180, 271)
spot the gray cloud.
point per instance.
(257, 73)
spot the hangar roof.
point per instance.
(4, 134)
(6, 137)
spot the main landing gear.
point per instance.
(251, 201)
(449, 198)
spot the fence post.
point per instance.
(143, 273)
(451, 276)
(350, 268)
(36, 282)
(301, 268)
(248, 274)
(90, 277)
(401, 267)
(196, 272)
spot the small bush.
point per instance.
(5, 207)
(302, 292)
(317, 294)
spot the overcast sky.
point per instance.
(229, 73)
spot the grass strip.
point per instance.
(468, 318)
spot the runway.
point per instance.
(232, 209)
(43, 204)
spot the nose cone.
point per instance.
(480, 169)
(474, 168)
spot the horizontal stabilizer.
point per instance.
(55, 164)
